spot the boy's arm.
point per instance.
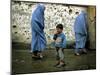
(55, 37)
(64, 42)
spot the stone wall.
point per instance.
(91, 27)
(54, 14)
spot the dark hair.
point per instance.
(70, 10)
(59, 26)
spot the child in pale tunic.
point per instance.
(60, 44)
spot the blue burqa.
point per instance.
(37, 23)
(80, 28)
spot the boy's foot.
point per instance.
(56, 64)
(61, 65)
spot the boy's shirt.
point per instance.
(60, 40)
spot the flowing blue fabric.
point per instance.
(80, 25)
(37, 24)
(80, 28)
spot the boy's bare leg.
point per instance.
(57, 57)
(57, 53)
(61, 55)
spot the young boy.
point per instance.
(60, 43)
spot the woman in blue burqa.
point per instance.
(38, 42)
(80, 28)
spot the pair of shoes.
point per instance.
(37, 57)
(61, 65)
(77, 54)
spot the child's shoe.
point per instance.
(61, 65)
(56, 64)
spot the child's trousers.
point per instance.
(60, 53)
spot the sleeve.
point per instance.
(64, 42)
(55, 37)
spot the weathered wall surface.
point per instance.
(54, 14)
(91, 27)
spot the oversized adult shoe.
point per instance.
(77, 54)
(84, 51)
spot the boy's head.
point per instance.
(59, 28)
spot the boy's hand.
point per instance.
(55, 32)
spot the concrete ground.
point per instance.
(23, 63)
